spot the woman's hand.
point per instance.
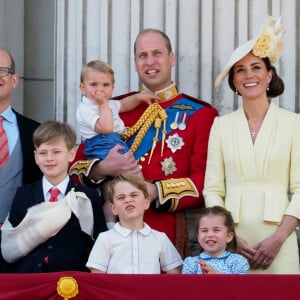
(268, 248)
(266, 251)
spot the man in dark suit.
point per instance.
(31, 171)
(20, 167)
(52, 237)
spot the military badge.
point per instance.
(168, 166)
(174, 142)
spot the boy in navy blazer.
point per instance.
(43, 236)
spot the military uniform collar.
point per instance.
(165, 94)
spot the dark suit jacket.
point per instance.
(31, 171)
(69, 248)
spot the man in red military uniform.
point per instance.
(168, 141)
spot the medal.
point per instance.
(174, 124)
(168, 166)
(182, 124)
(174, 142)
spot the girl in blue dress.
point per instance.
(217, 239)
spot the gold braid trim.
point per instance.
(82, 168)
(163, 115)
(174, 189)
(157, 124)
(140, 128)
(148, 120)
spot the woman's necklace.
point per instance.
(255, 124)
(254, 133)
(254, 127)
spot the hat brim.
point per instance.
(236, 55)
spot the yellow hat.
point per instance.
(267, 44)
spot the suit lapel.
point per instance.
(246, 155)
(263, 143)
(71, 185)
(37, 192)
(254, 157)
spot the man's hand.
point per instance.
(115, 164)
(152, 190)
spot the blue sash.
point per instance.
(183, 105)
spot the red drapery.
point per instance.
(121, 287)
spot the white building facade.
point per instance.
(51, 39)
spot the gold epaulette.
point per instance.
(174, 189)
(82, 168)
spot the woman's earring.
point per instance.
(268, 88)
(236, 91)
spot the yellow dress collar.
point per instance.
(166, 94)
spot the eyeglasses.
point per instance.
(5, 71)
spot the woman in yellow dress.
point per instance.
(253, 164)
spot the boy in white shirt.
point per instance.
(131, 246)
(97, 115)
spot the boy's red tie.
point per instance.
(53, 194)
